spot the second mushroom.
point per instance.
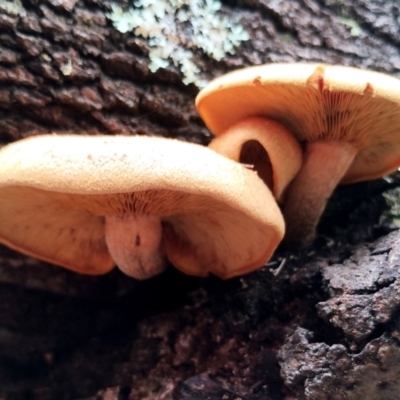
(347, 120)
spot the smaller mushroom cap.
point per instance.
(264, 145)
(315, 102)
(57, 190)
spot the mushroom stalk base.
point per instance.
(135, 244)
(325, 164)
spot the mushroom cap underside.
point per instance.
(316, 102)
(55, 191)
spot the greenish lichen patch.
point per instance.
(176, 29)
(12, 7)
(392, 215)
(355, 29)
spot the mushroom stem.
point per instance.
(135, 244)
(325, 163)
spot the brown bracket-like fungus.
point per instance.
(347, 119)
(89, 202)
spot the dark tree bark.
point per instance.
(326, 328)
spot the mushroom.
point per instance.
(347, 120)
(88, 202)
(266, 146)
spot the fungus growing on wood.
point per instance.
(88, 203)
(347, 119)
(267, 147)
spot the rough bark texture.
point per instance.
(326, 328)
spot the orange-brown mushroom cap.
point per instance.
(349, 120)
(56, 191)
(265, 146)
(316, 102)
